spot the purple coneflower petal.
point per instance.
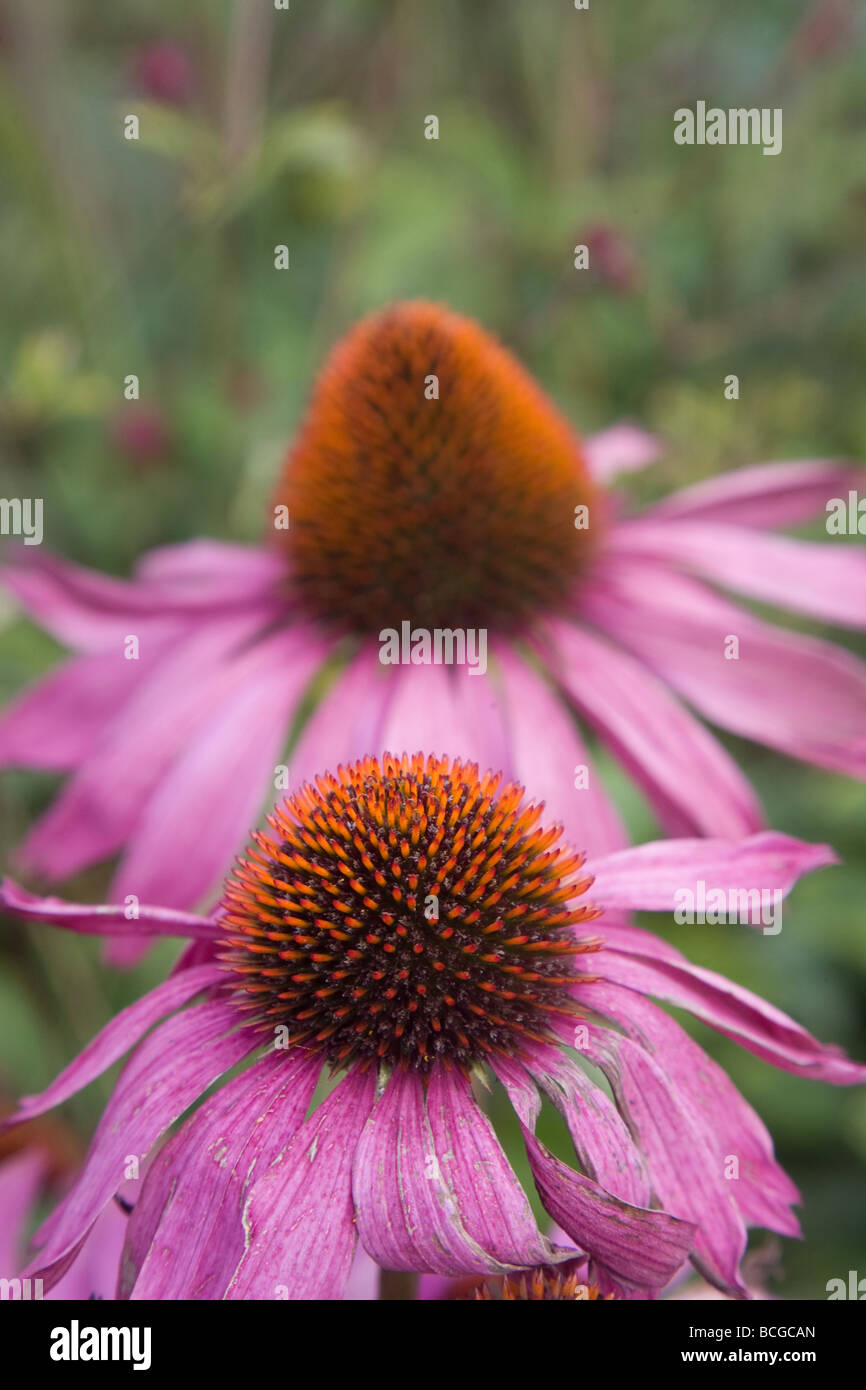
(94, 1273)
(520, 1087)
(153, 1090)
(84, 609)
(117, 1037)
(621, 448)
(298, 1217)
(218, 781)
(612, 1230)
(761, 1189)
(21, 1177)
(795, 693)
(55, 723)
(213, 573)
(767, 494)
(691, 782)
(185, 1233)
(649, 877)
(433, 1189)
(104, 919)
(347, 721)
(827, 582)
(686, 1176)
(362, 1286)
(549, 766)
(601, 1139)
(493, 1206)
(445, 710)
(736, 1012)
(101, 805)
(638, 1247)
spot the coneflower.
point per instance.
(412, 932)
(550, 1284)
(434, 489)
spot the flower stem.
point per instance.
(397, 1286)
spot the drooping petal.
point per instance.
(653, 877)
(82, 608)
(691, 782)
(433, 1189)
(101, 804)
(201, 813)
(601, 1140)
(823, 580)
(56, 722)
(520, 1088)
(622, 448)
(766, 494)
(795, 693)
(626, 1240)
(687, 1176)
(186, 1235)
(638, 1247)
(739, 1141)
(736, 1012)
(168, 1072)
(117, 1037)
(551, 766)
(298, 1215)
(105, 919)
(493, 1207)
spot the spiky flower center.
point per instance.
(405, 913)
(433, 480)
(547, 1284)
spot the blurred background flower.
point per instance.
(163, 71)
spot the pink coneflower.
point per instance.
(612, 259)
(453, 512)
(413, 928)
(141, 434)
(164, 71)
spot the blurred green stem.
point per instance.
(247, 61)
(397, 1286)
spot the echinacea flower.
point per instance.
(568, 1282)
(164, 72)
(563, 1284)
(413, 930)
(433, 487)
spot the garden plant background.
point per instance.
(305, 128)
